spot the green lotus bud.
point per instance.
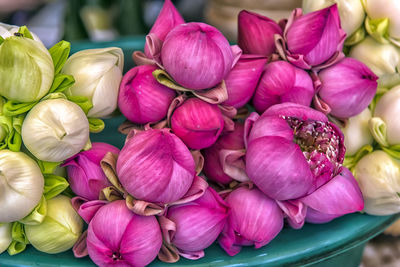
(21, 185)
(351, 12)
(378, 175)
(60, 229)
(97, 74)
(5, 236)
(27, 70)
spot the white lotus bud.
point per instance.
(97, 73)
(378, 175)
(21, 185)
(55, 130)
(356, 132)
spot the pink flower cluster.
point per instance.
(187, 102)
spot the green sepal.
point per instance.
(82, 101)
(378, 29)
(379, 93)
(88, 145)
(96, 125)
(68, 192)
(55, 95)
(37, 215)
(59, 53)
(14, 141)
(14, 108)
(165, 79)
(12, 128)
(19, 239)
(393, 151)
(1, 40)
(61, 83)
(378, 128)
(25, 32)
(47, 167)
(54, 185)
(356, 37)
(351, 161)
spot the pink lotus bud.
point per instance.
(282, 82)
(256, 33)
(117, 236)
(224, 160)
(315, 38)
(196, 55)
(168, 19)
(85, 174)
(347, 87)
(255, 219)
(243, 79)
(197, 123)
(141, 98)
(156, 166)
(197, 224)
(292, 150)
(338, 197)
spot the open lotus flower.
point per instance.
(292, 150)
(356, 132)
(141, 98)
(55, 129)
(60, 229)
(243, 79)
(21, 185)
(117, 236)
(97, 74)
(197, 123)
(382, 21)
(385, 123)
(314, 40)
(85, 174)
(340, 196)
(168, 19)
(225, 160)
(351, 12)
(282, 82)
(378, 175)
(196, 55)
(352, 93)
(194, 226)
(27, 69)
(156, 166)
(255, 219)
(256, 33)
(382, 59)
(5, 236)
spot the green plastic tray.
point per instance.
(338, 243)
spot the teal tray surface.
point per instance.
(338, 243)
(313, 244)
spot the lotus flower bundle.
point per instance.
(226, 144)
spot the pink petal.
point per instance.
(295, 211)
(168, 19)
(341, 195)
(278, 167)
(243, 79)
(350, 94)
(270, 126)
(256, 33)
(295, 110)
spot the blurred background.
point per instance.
(107, 20)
